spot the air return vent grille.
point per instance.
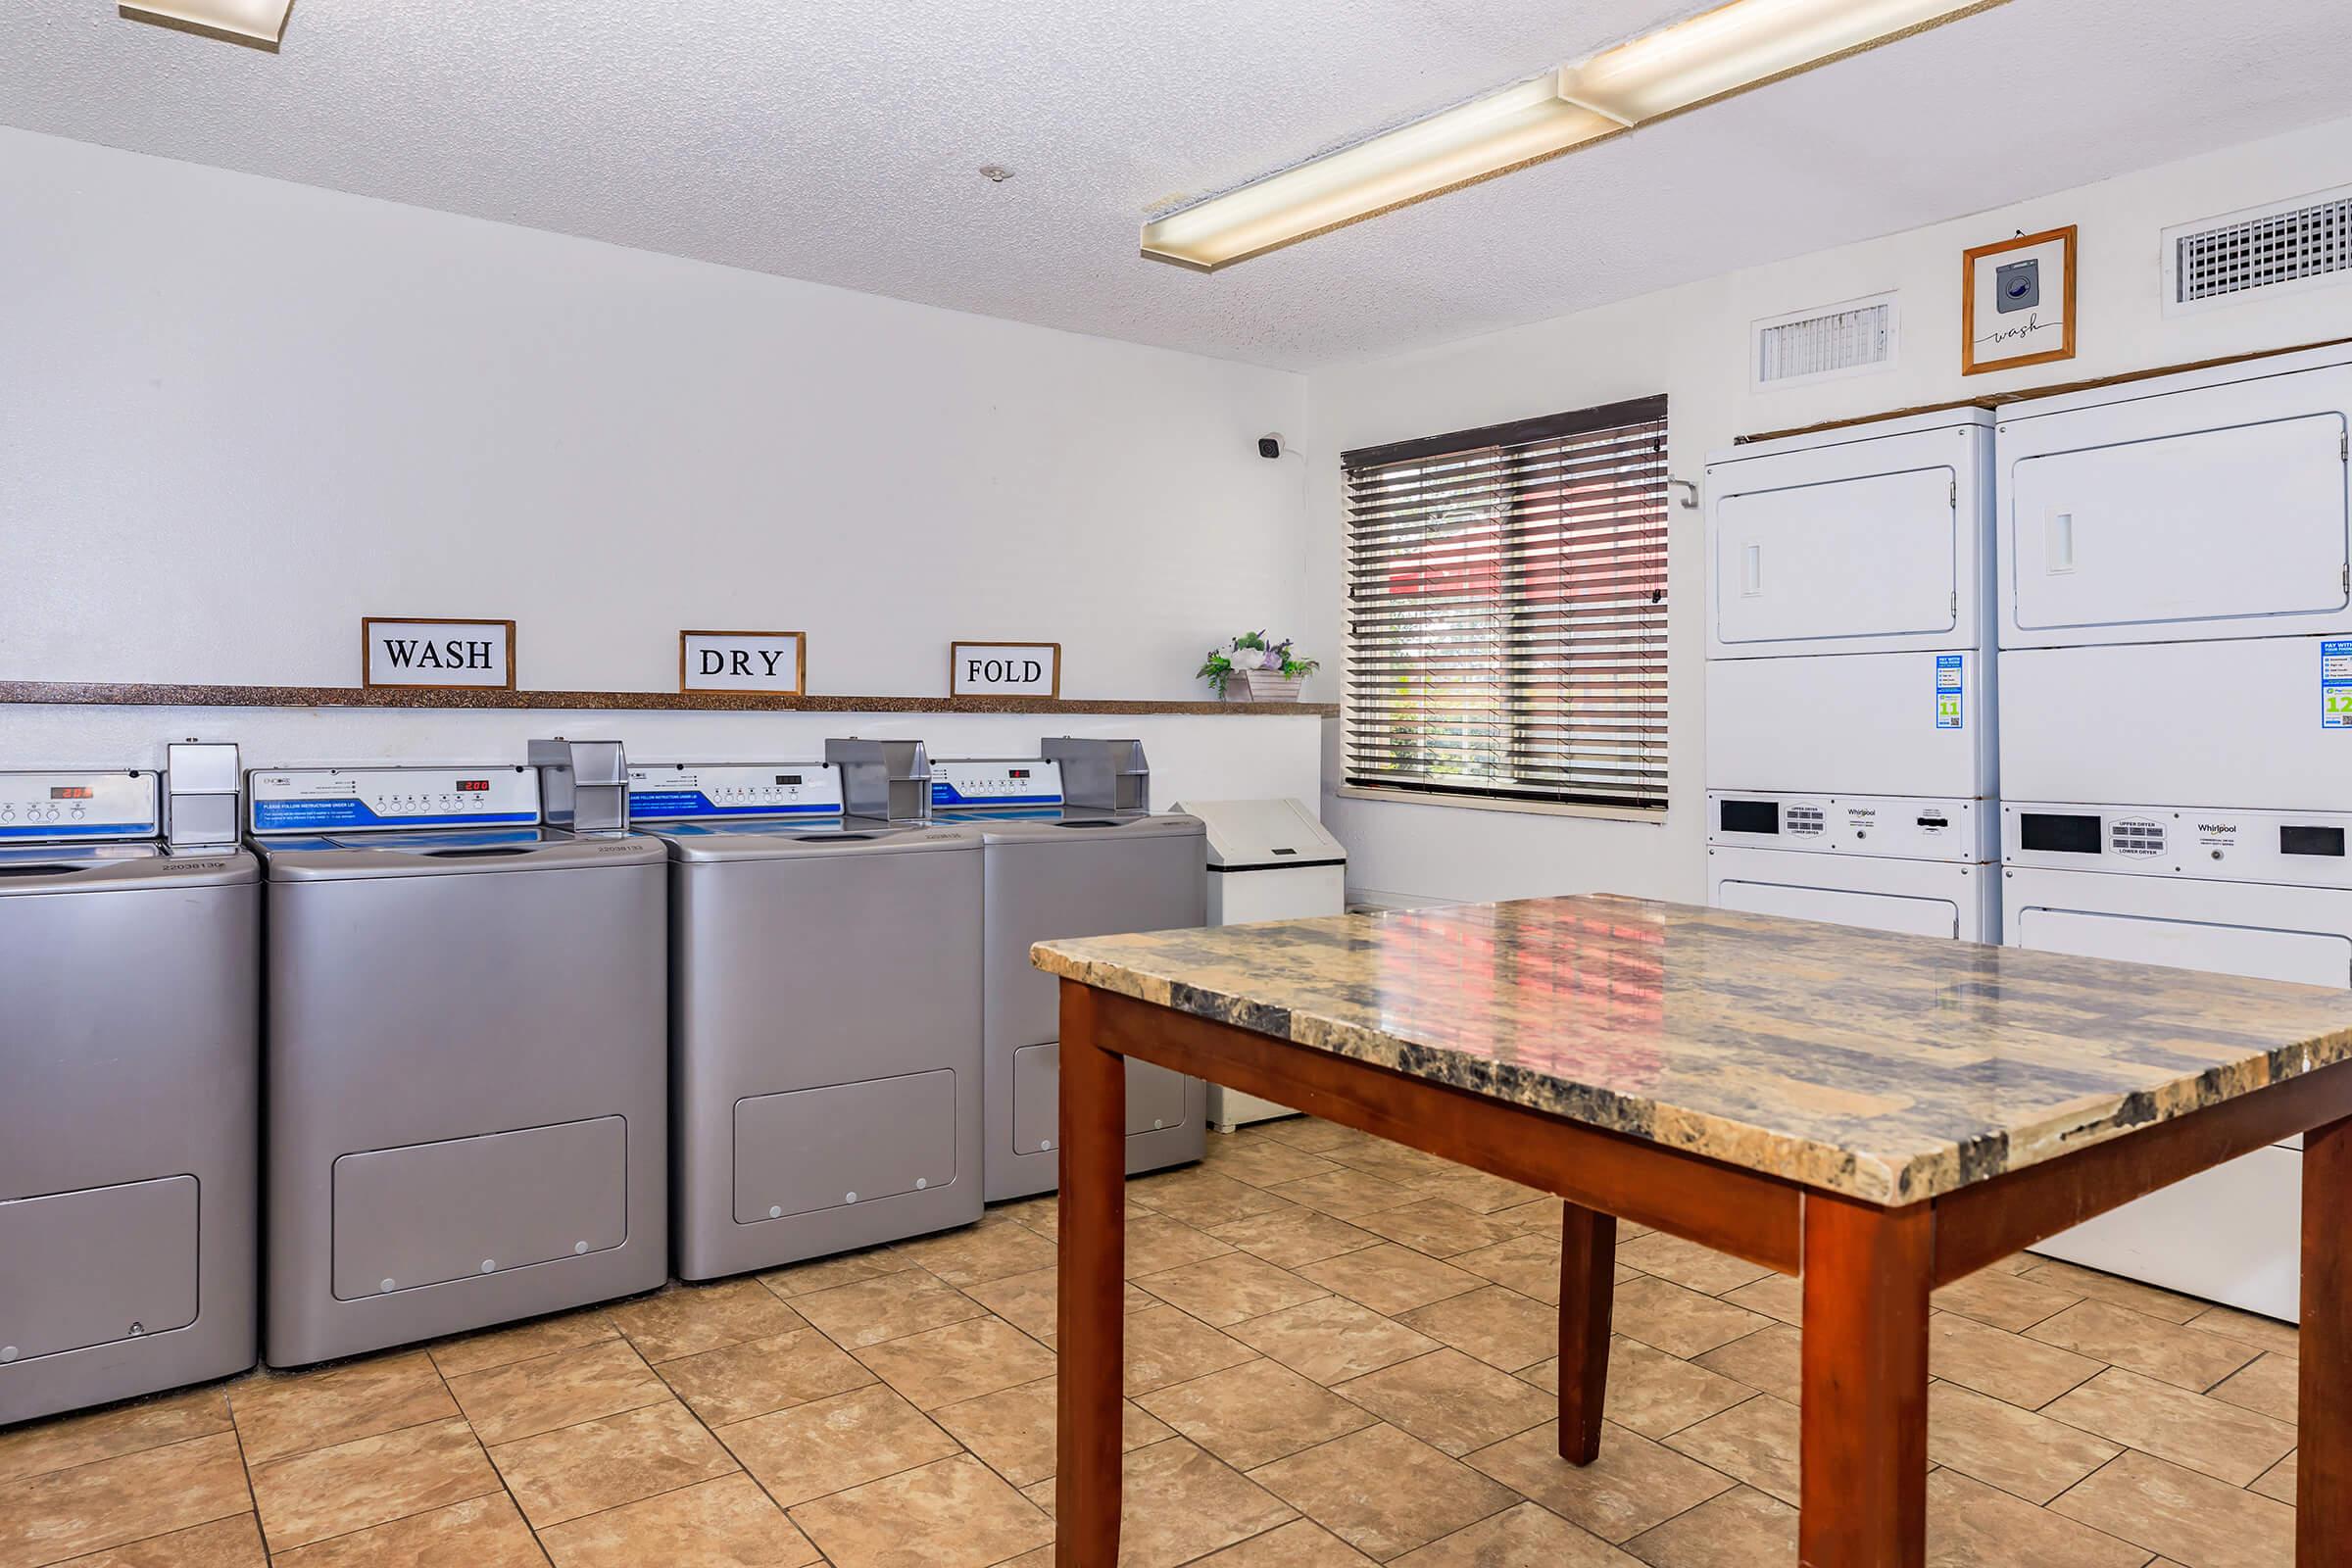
(2304, 241)
(1847, 339)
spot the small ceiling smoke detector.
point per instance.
(995, 173)
(256, 23)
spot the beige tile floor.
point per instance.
(1340, 1350)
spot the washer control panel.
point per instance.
(2300, 849)
(117, 805)
(1011, 781)
(670, 792)
(358, 799)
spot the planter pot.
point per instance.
(1262, 686)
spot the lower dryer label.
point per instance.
(2335, 685)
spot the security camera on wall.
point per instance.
(1269, 446)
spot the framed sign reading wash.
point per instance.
(436, 652)
(2017, 304)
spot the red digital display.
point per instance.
(1017, 772)
(474, 785)
(71, 792)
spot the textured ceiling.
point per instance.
(840, 142)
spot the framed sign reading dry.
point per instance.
(772, 661)
(2017, 302)
(436, 652)
(1004, 669)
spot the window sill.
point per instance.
(1475, 802)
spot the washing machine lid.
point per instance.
(1070, 825)
(330, 856)
(28, 868)
(787, 839)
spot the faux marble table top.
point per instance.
(1887, 1067)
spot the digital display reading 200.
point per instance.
(71, 792)
(472, 786)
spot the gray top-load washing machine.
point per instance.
(1071, 849)
(129, 1085)
(466, 1045)
(824, 1017)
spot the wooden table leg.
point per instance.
(1864, 1449)
(1588, 1292)
(2324, 1400)
(1090, 1312)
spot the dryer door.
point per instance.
(1847, 562)
(2311, 957)
(1876, 911)
(2201, 513)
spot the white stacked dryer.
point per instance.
(2177, 738)
(1851, 765)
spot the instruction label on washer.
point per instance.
(2335, 685)
(1947, 690)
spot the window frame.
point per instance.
(1511, 594)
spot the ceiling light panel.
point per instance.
(1465, 143)
(259, 24)
(1710, 55)
(1737, 46)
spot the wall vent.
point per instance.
(1850, 338)
(2303, 242)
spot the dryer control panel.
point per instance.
(360, 800)
(117, 805)
(1009, 781)
(2299, 849)
(1897, 827)
(671, 791)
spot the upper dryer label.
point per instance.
(685, 792)
(79, 805)
(1022, 782)
(363, 800)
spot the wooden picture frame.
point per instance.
(956, 686)
(367, 680)
(800, 664)
(1972, 278)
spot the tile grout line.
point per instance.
(504, 1490)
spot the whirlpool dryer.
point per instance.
(825, 1016)
(129, 1092)
(1090, 862)
(467, 1056)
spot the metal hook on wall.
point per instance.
(1688, 503)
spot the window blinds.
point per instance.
(1507, 595)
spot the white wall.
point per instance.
(1692, 343)
(236, 415)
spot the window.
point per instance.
(1507, 603)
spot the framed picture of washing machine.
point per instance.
(774, 664)
(2017, 302)
(436, 652)
(1004, 669)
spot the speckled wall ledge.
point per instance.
(127, 695)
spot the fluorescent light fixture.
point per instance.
(1710, 56)
(256, 24)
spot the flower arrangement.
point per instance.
(1251, 667)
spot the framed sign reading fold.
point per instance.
(436, 652)
(1004, 669)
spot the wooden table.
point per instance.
(1880, 1114)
